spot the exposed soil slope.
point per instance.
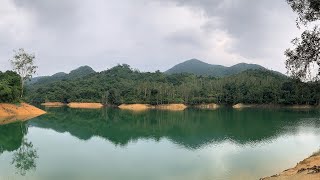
(20, 112)
(85, 105)
(143, 107)
(172, 107)
(136, 107)
(207, 106)
(308, 169)
(53, 104)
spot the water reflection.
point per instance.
(193, 144)
(12, 139)
(191, 129)
(24, 159)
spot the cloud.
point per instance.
(147, 34)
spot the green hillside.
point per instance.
(77, 73)
(121, 84)
(195, 66)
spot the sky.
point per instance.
(148, 35)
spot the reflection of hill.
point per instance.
(192, 128)
(11, 136)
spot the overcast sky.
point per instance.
(146, 34)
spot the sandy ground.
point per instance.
(85, 105)
(53, 104)
(136, 107)
(22, 109)
(144, 107)
(172, 107)
(207, 106)
(240, 106)
(21, 112)
(298, 107)
(308, 169)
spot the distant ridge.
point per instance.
(195, 66)
(76, 73)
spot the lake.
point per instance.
(189, 145)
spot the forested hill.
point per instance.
(77, 73)
(198, 67)
(121, 84)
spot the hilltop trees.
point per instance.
(121, 84)
(23, 64)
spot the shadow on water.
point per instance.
(191, 129)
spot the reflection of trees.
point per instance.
(24, 159)
(191, 129)
(11, 136)
(12, 139)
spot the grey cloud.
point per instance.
(254, 24)
(57, 14)
(185, 38)
(148, 34)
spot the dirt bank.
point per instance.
(85, 105)
(274, 106)
(11, 119)
(136, 107)
(171, 107)
(240, 106)
(211, 106)
(308, 169)
(53, 104)
(301, 107)
(22, 109)
(18, 112)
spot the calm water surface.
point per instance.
(194, 144)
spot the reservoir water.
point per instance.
(162, 145)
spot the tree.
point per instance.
(301, 60)
(23, 64)
(307, 10)
(9, 87)
(25, 157)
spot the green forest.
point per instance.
(122, 84)
(9, 87)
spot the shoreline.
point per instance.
(274, 106)
(178, 106)
(85, 105)
(18, 112)
(308, 169)
(144, 107)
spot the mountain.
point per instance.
(123, 85)
(81, 72)
(76, 73)
(195, 66)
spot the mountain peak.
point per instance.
(197, 67)
(81, 71)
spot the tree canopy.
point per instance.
(23, 64)
(304, 57)
(121, 84)
(307, 10)
(9, 87)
